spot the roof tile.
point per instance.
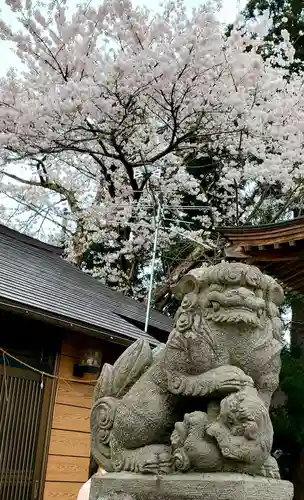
(35, 275)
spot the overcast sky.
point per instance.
(228, 13)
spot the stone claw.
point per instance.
(154, 459)
(236, 384)
(158, 464)
(270, 469)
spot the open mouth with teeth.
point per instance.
(216, 306)
(234, 313)
(235, 306)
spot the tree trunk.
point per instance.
(297, 326)
(191, 261)
(297, 476)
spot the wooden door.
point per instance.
(24, 402)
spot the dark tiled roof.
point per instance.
(35, 275)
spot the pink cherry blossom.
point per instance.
(113, 99)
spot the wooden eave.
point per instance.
(278, 249)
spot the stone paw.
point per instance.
(270, 469)
(151, 459)
(155, 459)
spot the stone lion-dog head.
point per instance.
(231, 293)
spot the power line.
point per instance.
(126, 205)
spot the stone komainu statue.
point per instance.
(201, 401)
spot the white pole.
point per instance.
(157, 224)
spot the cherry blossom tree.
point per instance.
(115, 102)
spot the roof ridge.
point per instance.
(29, 240)
(270, 225)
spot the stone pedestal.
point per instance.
(217, 486)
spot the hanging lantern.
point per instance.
(89, 362)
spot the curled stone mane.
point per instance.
(234, 274)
